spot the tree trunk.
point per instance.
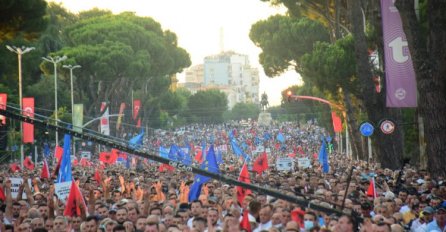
(355, 136)
(429, 59)
(388, 148)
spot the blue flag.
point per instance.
(46, 150)
(235, 148)
(173, 153)
(136, 141)
(280, 137)
(210, 164)
(323, 158)
(266, 136)
(127, 163)
(219, 157)
(164, 152)
(185, 157)
(65, 165)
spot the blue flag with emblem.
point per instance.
(210, 164)
(65, 165)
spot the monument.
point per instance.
(264, 117)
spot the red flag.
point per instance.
(3, 100)
(337, 124)
(108, 157)
(199, 155)
(58, 153)
(292, 155)
(119, 154)
(45, 173)
(56, 169)
(27, 163)
(2, 194)
(371, 191)
(84, 162)
(75, 199)
(244, 224)
(297, 215)
(15, 167)
(28, 128)
(244, 177)
(97, 176)
(261, 163)
(165, 167)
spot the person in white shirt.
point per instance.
(265, 215)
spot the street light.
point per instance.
(55, 61)
(71, 67)
(20, 52)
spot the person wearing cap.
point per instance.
(439, 224)
(426, 216)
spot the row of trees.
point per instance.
(122, 57)
(328, 43)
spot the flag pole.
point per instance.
(349, 179)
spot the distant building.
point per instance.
(229, 72)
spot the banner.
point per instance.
(15, 185)
(78, 117)
(3, 101)
(121, 112)
(401, 88)
(105, 126)
(28, 128)
(284, 164)
(337, 123)
(136, 107)
(62, 190)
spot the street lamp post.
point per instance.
(71, 67)
(55, 61)
(20, 52)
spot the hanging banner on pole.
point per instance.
(337, 123)
(401, 88)
(78, 117)
(3, 101)
(136, 110)
(28, 111)
(121, 111)
(105, 126)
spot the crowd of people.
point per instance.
(145, 197)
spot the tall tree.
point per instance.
(426, 40)
(388, 147)
(208, 106)
(120, 53)
(22, 18)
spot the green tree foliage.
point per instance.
(331, 66)
(21, 18)
(119, 53)
(208, 106)
(284, 40)
(244, 111)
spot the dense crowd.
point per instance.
(144, 197)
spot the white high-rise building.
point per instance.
(229, 72)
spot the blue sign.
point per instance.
(366, 129)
